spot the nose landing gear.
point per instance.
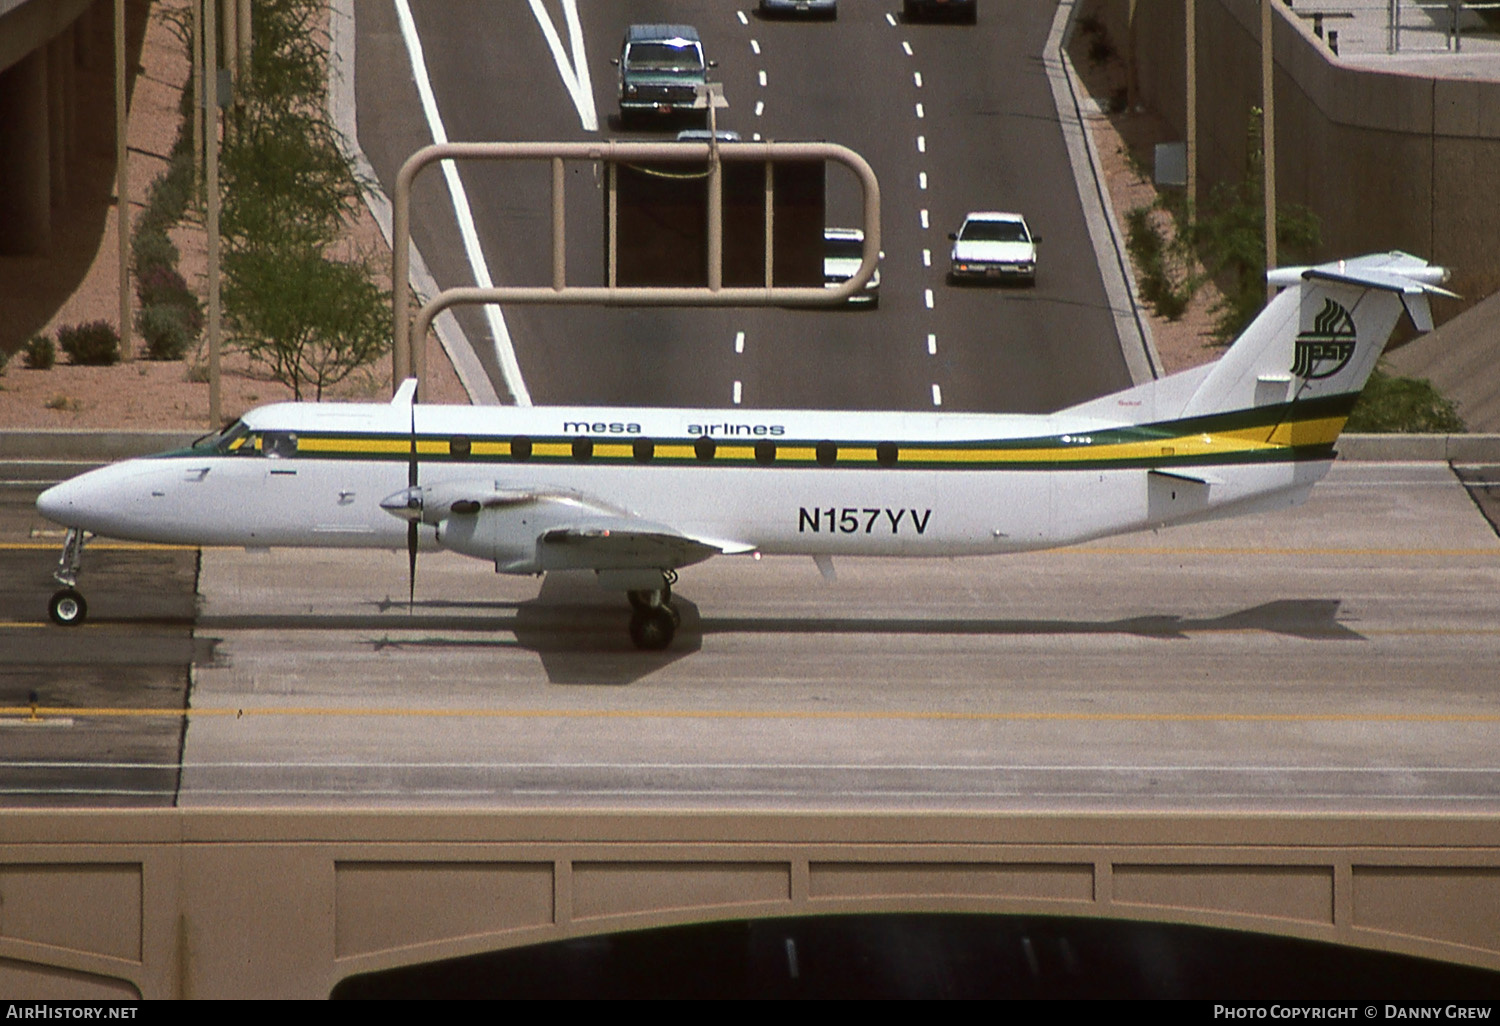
(67, 607)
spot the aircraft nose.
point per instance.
(59, 503)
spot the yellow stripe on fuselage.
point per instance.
(1078, 449)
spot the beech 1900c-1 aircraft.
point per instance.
(637, 494)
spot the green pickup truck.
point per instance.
(661, 68)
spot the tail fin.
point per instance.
(1310, 350)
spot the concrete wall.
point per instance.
(1386, 160)
(218, 904)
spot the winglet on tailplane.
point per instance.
(1314, 344)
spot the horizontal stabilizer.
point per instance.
(1393, 272)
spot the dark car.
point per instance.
(925, 10)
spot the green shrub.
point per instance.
(1393, 404)
(150, 250)
(95, 344)
(4, 359)
(39, 353)
(165, 331)
(163, 286)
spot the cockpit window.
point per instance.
(231, 440)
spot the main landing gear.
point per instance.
(67, 607)
(653, 622)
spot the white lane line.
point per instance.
(760, 107)
(922, 180)
(741, 15)
(907, 47)
(739, 341)
(762, 78)
(927, 298)
(926, 258)
(931, 345)
(920, 112)
(925, 221)
(575, 69)
(937, 395)
(916, 77)
(921, 144)
(505, 353)
(890, 19)
(736, 393)
(755, 47)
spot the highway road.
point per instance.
(1337, 657)
(952, 118)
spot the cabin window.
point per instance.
(886, 454)
(279, 444)
(765, 452)
(827, 454)
(704, 448)
(520, 448)
(459, 447)
(583, 449)
(643, 449)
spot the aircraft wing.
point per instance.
(620, 543)
(531, 530)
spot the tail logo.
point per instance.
(1323, 351)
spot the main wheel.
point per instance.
(652, 629)
(67, 608)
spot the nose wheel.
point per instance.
(67, 608)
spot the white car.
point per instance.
(995, 246)
(843, 252)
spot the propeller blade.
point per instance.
(411, 565)
(411, 527)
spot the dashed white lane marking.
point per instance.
(572, 66)
(755, 47)
(921, 144)
(741, 15)
(926, 258)
(762, 78)
(920, 112)
(907, 47)
(927, 298)
(916, 77)
(922, 180)
(931, 344)
(739, 341)
(736, 393)
(505, 352)
(755, 136)
(937, 395)
(760, 107)
(890, 19)
(926, 223)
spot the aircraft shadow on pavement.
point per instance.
(1312, 619)
(580, 632)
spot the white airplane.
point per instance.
(637, 494)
